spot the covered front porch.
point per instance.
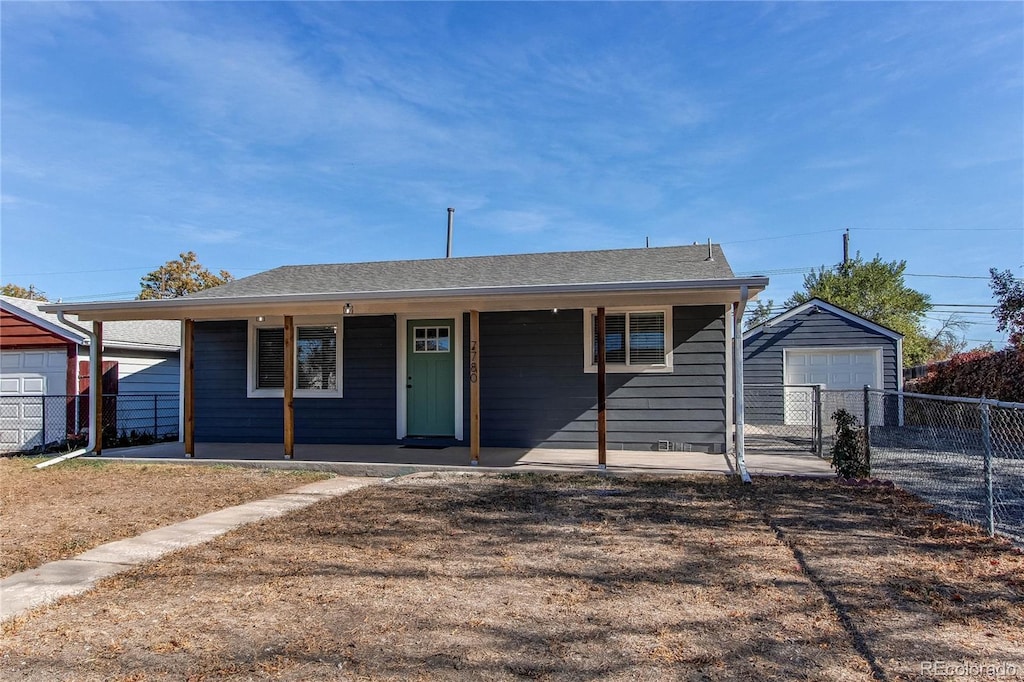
(396, 460)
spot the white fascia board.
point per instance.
(42, 322)
(839, 312)
(185, 307)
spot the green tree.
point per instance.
(759, 314)
(1009, 314)
(180, 277)
(17, 291)
(875, 290)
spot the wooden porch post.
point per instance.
(96, 385)
(474, 387)
(189, 416)
(289, 387)
(602, 389)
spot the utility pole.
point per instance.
(846, 247)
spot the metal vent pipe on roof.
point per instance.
(451, 218)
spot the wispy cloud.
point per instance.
(204, 235)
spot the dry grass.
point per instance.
(58, 512)
(583, 578)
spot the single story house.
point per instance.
(483, 351)
(44, 371)
(815, 344)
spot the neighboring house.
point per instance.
(42, 357)
(388, 352)
(815, 344)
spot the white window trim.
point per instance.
(278, 322)
(590, 367)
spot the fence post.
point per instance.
(986, 440)
(818, 421)
(42, 433)
(867, 427)
(156, 423)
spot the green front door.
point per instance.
(430, 381)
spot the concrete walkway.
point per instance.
(36, 587)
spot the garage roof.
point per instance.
(136, 334)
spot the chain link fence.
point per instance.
(31, 424)
(963, 455)
(782, 418)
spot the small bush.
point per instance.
(848, 452)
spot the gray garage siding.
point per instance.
(762, 357)
(366, 413)
(534, 392)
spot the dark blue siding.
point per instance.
(366, 413)
(762, 357)
(534, 392)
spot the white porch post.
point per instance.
(737, 375)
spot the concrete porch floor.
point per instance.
(395, 460)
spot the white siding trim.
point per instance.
(730, 390)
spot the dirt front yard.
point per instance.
(63, 510)
(560, 578)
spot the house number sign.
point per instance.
(473, 370)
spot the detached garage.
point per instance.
(815, 344)
(44, 377)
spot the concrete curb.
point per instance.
(37, 587)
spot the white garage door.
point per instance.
(837, 370)
(25, 377)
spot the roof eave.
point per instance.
(180, 308)
(43, 323)
(831, 308)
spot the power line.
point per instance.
(937, 229)
(92, 272)
(794, 271)
(781, 236)
(90, 297)
(910, 274)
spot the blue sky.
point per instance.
(267, 134)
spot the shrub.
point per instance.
(976, 374)
(848, 452)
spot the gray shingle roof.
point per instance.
(673, 263)
(155, 334)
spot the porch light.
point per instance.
(260, 318)
(554, 311)
(348, 308)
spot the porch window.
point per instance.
(270, 358)
(316, 360)
(635, 341)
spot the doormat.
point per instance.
(423, 447)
